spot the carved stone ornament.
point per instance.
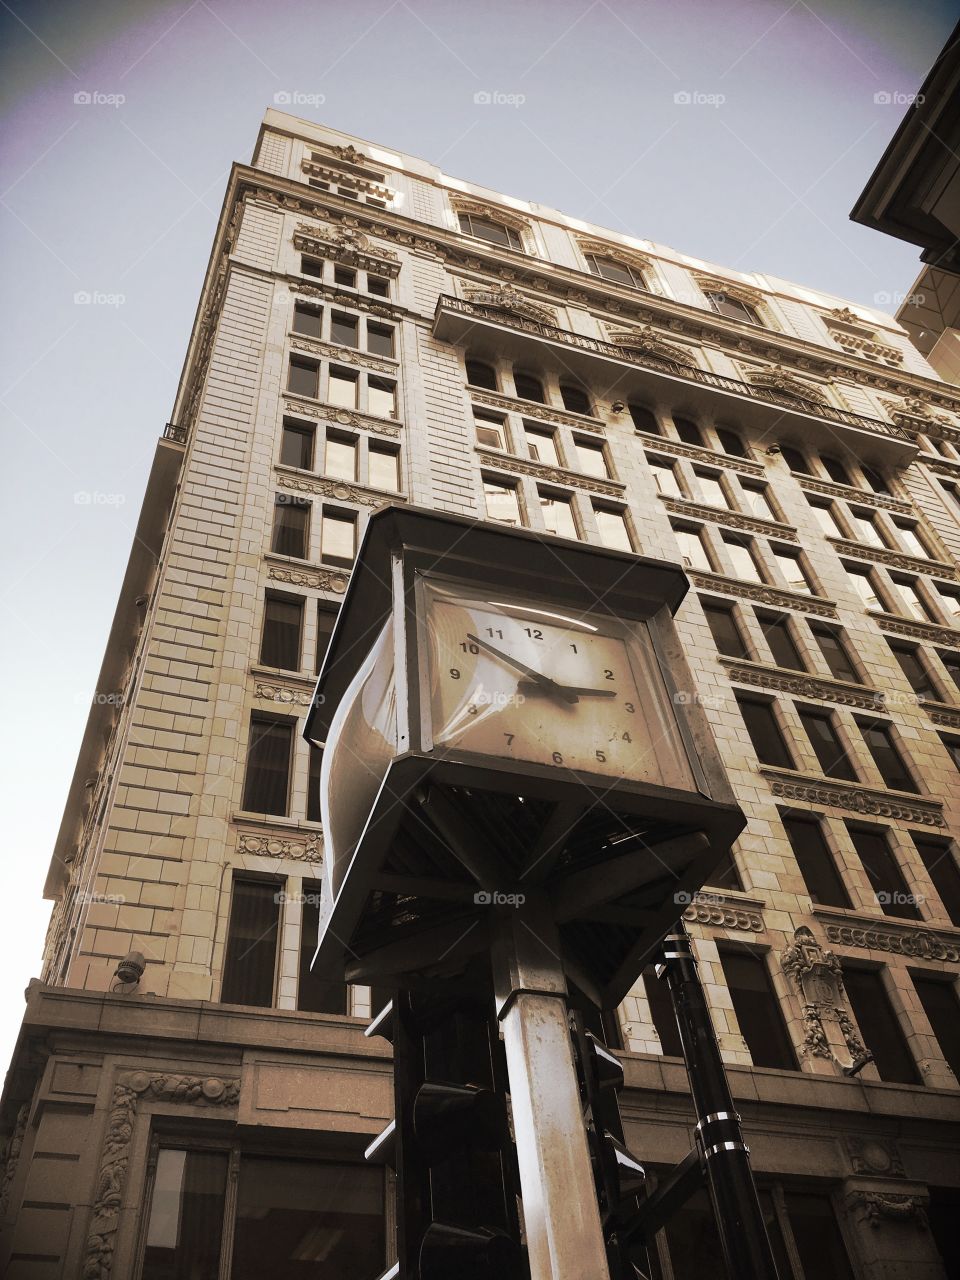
(819, 981)
(342, 417)
(920, 944)
(855, 799)
(649, 340)
(320, 579)
(775, 596)
(338, 490)
(283, 695)
(343, 355)
(346, 245)
(12, 1155)
(863, 497)
(546, 413)
(782, 381)
(708, 910)
(741, 292)
(500, 461)
(504, 297)
(899, 560)
(493, 213)
(877, 1156)
(731, 519)
(878, 1208)
(803, 686)
(132, 1088)
(308, 848)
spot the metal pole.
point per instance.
(560, 1211)
(736, 1206)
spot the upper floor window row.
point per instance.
(343, 277)
(855, 475)
(528, 385)
(344, 328)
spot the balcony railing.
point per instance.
(177, 434)
(656, 363)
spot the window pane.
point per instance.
(692, 552)
(776, 631)
(817, 1236)
(883, 871)
(186, 1216)
(744, 565)
(665, 478)
(558, 515)
(381, 398)
(527, 386)
(942, 869)
(311, 266)
(661, 1010)
(768, 741)
(340, 457)
(282, 625)
(912, 603)
(542, 446)
(886, 757)
(343, 329)
(379, 339)
(268, 766)
(908, 535)
(688, 431)
(835, 653)
(726, 633)
(952, 663)
(575, 399)
(835, 469)
(816, 862)
(248, 968)
(731, 443)
(612, 527)
(384, 468)
(711, 490)
(862, 584)
(879, 1025)
(296, 446)
(913, 668)
(342, 389)
(307, 1220)
(338, 537)
(823, 738)
(758, 1010)
(866, 530)
(313, 994)
(590, 458)
(326, 619)
(826, 520)
(950, 603)
(795, 460)
(345, 276)
(502, 502)
(291, 519)
(304, 377)
(939, 1001)
(378, 286)
(490, 429)
(757, 503)
(480, 374)
(644, 419)
(307, 320)
(874, 480)
(792, 570)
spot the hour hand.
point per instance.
(545, 683)
(528, 686)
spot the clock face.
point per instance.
(550, 686)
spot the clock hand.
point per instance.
(548, 685)
(527, 686)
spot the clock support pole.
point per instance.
(562, 1221)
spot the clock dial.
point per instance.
(578, 691)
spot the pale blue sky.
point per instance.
(120, 200)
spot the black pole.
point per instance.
(726, 1159)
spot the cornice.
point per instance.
(552, 475)
(863, 497)
(942, 466)
(802, 684)
(340, 417)
(942, 713)
(916, 941)
(297, 846)
(314, 289)
(531, 409)
(896, 559)
(852, 796)
(895, 625)
(342, 355)
(339, 490)
(731, 519)
(320, 579)
(677, 447)
(346, 245)
(763, 594)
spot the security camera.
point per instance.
(618, 406)
(130, 969)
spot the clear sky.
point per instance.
(117, 196)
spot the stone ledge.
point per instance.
(802, 684)
(852, 796)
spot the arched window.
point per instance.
(688, 431)
(731, 443)
(835, 469)
(644, 419)
(480, 374)
(795, 460)
(724, 305)
(611, 269)
(528, 387)
(575, 399)
(472, 224)
(874, 480)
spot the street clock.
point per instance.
(504, 717)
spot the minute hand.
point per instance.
(549, 685)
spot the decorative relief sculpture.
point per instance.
(342, 417)
(828, 1027)
(321, 579)
(855, 799)
(877, 1207)
(12, 1155)
(505, 297)
(920, 944)
(309, 848)
(649, 341)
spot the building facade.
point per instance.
(370, 331)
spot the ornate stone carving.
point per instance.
(921, 944)
(283, 694)
(918, 630)
(763, 594)
(338, 490)
(320, 579)
(732, 519)
(853, 798)
(743, 293)
(493, 213)
(295, 848)
(505, 297)
(705, 909)
(863, 497)
(638, 262)
(544, 413)
(11, 1156)
(803, 686)
(878, 1206)
(661, 444)
(785, 383)
(650, 340)
(348, 246)
(916, 414)
(818, 977)
(885, 555)
(342, 417)
(877, 1156)
(554, 475)
(343, 355)
(942, 466)
(132, 1088)
(940, 713)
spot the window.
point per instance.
(644, 419)
(186, 1214)
(724, 305)
(346, 277)
(528, 387)
(731, 443)
(612, 527)
(791, 566)
(313, 994)
(879, 739)
(711, 490)
(688, 431)
(693, 555)
(910, 538)
(723, 627)
(340, 456)
(835, 652)
(618, 272)
(874, 480)
(311, 266)
(480, 374)
(291, 522)
(776, 631)
(486, 229)
(816, 862)
(342, 388)
(314, 812)
(817, 1237)
(661, 1011)
(939, 1001)
(879, 1026)
(865, 529)
(326, 617)
(296, 445)
(379, 339)
(741, 556)
(942, 869)
(756, 499)
(338, 537)
(826, 518)
(250, 961)
(542, 445)
(591, 459)
(502, 502)
(912, 603)
(953, 748)
(383, 468)
(725, 874)
(768, 741)
(795, 460)
(861, 580)
(826, 744)
(952, 663)
(758, 1010)
(282, 630)
(267, 781)
(950, 603)
(381, 398)
(379, 286)
(575, 399)
(911, 664)
(835, 469)
(558, 514)
(490, 429)
(883, 871)
(304, 377)
(665, 477)
(307, 319)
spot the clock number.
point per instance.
(602, 757)
(608, 674)
(626, 737)
(509, 737)
(534, 633)
(455, 672)
(472, 710)
(574, 648)
(628, 706)
(495, 631)
(470, 648)
(557, 758)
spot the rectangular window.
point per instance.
(486, 229)
(942, 869)
(383, 468)
(381, 398)
(644, 419)
(834, 760)
(824, 515)
(692, 551)
(879, 739)
(311, 266)
(745, 567)
(249, 966)
(777, 633)
(343, 329)
(282, 630)
(379, 286)
(342, 388)
(756, 500)
(768, 741)
(952, 663)
(724, 629)
(379, 339)
(304, 379)
(313, 994)
(612, 527)
(883, 871)
(689, 432)
(791, 567)
(912, 603)
(558, 514)
(185, 1226)
(952, 746)
(591, 459)
(340, 456)
(939, 1001)
(816, 862)
(861, 580)
(665, 478)
(267, 783)
(661, 1011)
(291, 525)
(758, 1010)
(866, 530)
(490, 429)
(346, 277)
(950, 603)
(296, 445)
(911, 540)
(314, 764)
(711, 490)
(911, 664)
(326, 619)
(307, 320)
(542, 446)
(338, 537)
(835, 652)
(879, 1025)
(502, 502)
(817, 1236)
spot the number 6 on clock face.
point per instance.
(515, 679)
